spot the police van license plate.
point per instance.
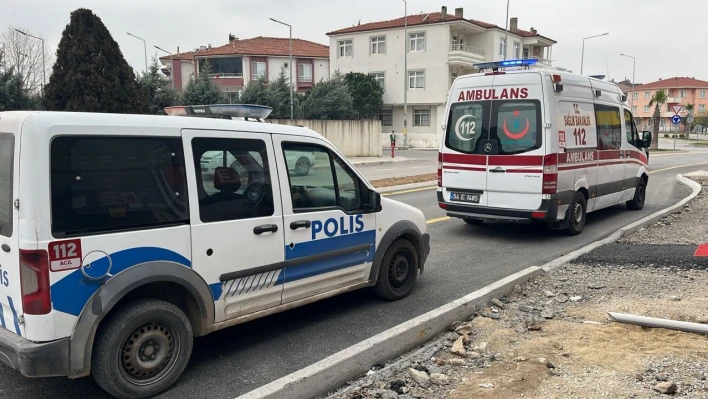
(465, 197)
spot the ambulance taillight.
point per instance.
(550, 174)
(34, 279)
(440, 165)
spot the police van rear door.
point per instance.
(329, 235)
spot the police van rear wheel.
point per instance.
(398, 272)
(142, 349)
(577, 212)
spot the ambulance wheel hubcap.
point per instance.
(398, 272)
(149, 353)
(578, 214)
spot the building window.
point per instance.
(258, 70)
(416, 79)
(378, 45)
(517, 50)
(421, 117)
(417, 41)
(701, 107)
(502, 46)
(386, 117)
(703, 94)
(662, 122)
(380, 79)
(232, 97)
(647, 95)
(682, 93)
(346, 48)
(222, 67)
(646, 108)
(634, 109)
(304, 73)
(635, 95)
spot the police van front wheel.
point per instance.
(398, 271)
(141, 350)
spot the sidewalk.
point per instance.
(383, 160)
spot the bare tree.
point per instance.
(24, 55)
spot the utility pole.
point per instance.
(290, 67)
(506, 37)
(582, 56)
(405, 73)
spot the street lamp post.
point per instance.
(634, 65)
(144, 48)
(44, 66)
(405, 73)
(582, 56)
(506, 37)
(172, 64)
(290, 66)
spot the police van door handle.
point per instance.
(258, 230)
(300, 224)
(497, 170)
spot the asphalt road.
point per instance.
(425, 162)
(464, 258)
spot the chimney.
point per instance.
(232, 38)
(458, 12)
(178, 50)
(514, 25)
(534, 31)
(444, 12)
(209, 45)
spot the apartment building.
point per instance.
(679, 90)
(440, 47)
(233, 65)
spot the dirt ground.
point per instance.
(396, 181)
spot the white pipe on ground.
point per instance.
(659, 323)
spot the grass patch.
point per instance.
(397, 181)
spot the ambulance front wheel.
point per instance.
(398, 271)
(637, 203)
(577, 213)
(142, 349)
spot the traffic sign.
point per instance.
(676, 119)
(677, 108)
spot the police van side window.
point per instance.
(106, 184)
(327, 183)
(7, 151)
(233, 179)
(609, 127)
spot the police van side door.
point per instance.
(330, 236)
(236, 220)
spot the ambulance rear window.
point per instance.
(106, 184)
(7, 151)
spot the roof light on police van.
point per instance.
(248, 111)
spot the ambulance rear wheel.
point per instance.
(577, 213)
(398, 271)
(637, 203)
(141, 350)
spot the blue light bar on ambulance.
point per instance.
(506, 63)
(246, 111)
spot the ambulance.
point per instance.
(118, 247)
(523, 144)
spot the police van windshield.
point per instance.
(494, 127)
(6, 163)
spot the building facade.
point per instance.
(236, 64)
(680, 91)
(440, 47)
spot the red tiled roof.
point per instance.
(425, 19)
(674, 82)
(181, 56)
(273, 46)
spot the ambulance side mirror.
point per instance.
(646, 139)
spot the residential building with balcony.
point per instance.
(680, 91)
(241, 61)
(440, 47)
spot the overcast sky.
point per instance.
(664, 46)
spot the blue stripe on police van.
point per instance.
(70, 294)
(2, 317)
(316, 247)
(216, 290)
(14, 316)
(306, 270)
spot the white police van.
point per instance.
(538, 145)
(117, 249)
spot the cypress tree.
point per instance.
(90, 73)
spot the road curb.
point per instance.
(628, 229)
(403, 187)
(350, 363)
(389, 161)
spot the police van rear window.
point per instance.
(512, 127)
(7, 151)
(106, 184)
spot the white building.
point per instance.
(440, 48)
(241, 61)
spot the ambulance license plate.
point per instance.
(465, 197)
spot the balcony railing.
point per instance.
(466, 48)
(226, 75)
(304, 79)
(540, 60)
